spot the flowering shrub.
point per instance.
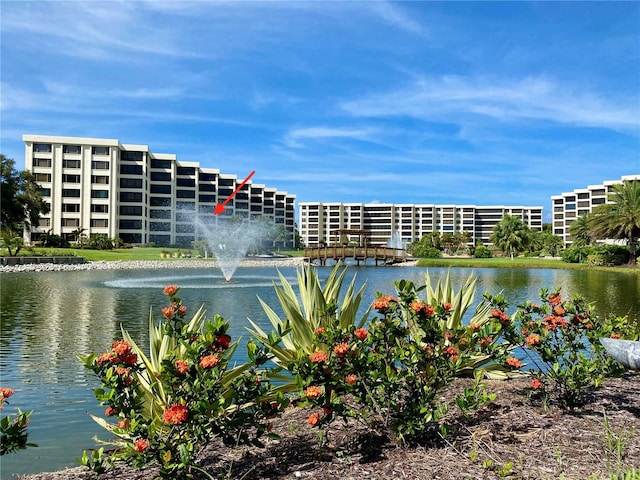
(13, 433)
(560, 339)
(388, 374)
(168, 406)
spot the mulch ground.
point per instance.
(506, 438)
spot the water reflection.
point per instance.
(49, 317)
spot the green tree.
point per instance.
(511, 235)
(620, 218)
(20, 203)
(580, 231)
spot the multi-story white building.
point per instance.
(126, 191)
(384, 221)
(570, 205)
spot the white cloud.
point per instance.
(456, 98)
(294, 138)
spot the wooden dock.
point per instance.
(381, 255)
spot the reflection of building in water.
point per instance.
(76, 321)
(105, 187)
(570, 205)
(406, 222)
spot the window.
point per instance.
(160, 201)
(186, 206)
(570, 206)
(160, 163)
(42, 147)
(185, 228)
(98, 208)
(226, 182)
(186, 182)
(186, 194)
(100, 150)
(184, 217)
(99, 193)
(130, 210)
(100, 179)
(99, 165)
(99, 222)
(73, 164)
(131, 224)
(207, 187)
(70, 178)
(71, 207)
(45, 192)
(131, 237)
(161, 189)
(70, 222)
(71, 192)
(43, 177)
(42, 162)
(128, 156)
(75, 149)
(160, 176)
(597, 201)
(163, 214)
(131, 197)
(131, 169)
(186, 171)
(44, 222)
(130, 183)
(160, 226)
(207, 177)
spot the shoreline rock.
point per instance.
(149, 264)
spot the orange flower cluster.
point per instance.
(452, 352)
(361, 333)
(224, 341)
(313, 392)
(319, 356)
(382, 303)
(110, 411)
(552, 322)
(120, 353)
(474, 326)
(169, 311)
(341, 349)
(500, 315)
(313, 419)
(417, 306)
(555, 299)
(513, 362)
(171, 290)
(123, 424)
(140, 445)
(175, 414)
(536, 384)
(320, 331)
(5, 392)
(447, 306)
(182, 367)
(532, 339)
(351, 379)
(209, 361)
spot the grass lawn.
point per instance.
(519, 262)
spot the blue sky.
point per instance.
(485, 103)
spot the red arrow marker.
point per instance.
(220, 206)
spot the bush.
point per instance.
(561, 340)
(172, 403)
(427, 252)
(482, 252)
(13, 433)
(602, 255)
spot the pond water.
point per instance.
(50, 317)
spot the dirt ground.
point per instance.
(507, 438)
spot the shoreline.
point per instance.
(149, 264)
(160, 264)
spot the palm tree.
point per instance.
(511, 235)
(620, 217)
(580, 230)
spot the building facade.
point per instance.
(570, 205)
(409, 221)
(127, 191)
